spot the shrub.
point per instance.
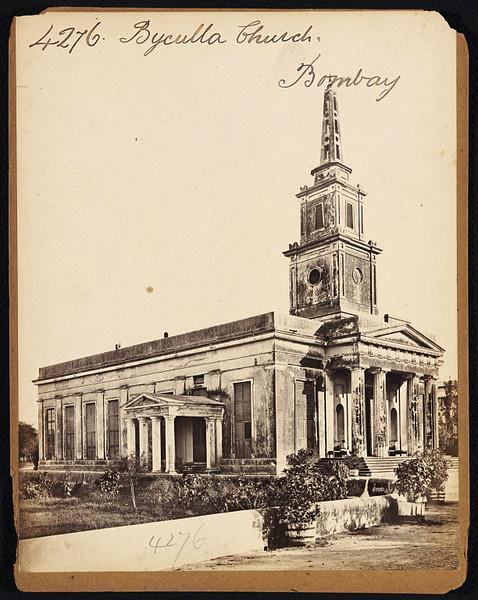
(438, 467)
(68, 485)
(39, 485)
(353, 461)
(424, 472)
(337, 474)
(244, 493)
(355, 487)
(413, 479)
(108, 484)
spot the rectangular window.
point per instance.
(198, 380)
(242, 419)
(70, 432)
(90, 419)
(350, 216)
(113, 429)
(319, 216)
(50, 433)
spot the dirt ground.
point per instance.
(431, 545)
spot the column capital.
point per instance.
(155, 418)
(142, 419)
(378, 370)
(169, 417)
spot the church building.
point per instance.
(334, 375)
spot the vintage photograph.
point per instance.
(237, 292)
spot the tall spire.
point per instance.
(331, 149)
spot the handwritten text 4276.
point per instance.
(69, 38)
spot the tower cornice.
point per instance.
(323, 183)
(331, 238)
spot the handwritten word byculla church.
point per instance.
(253, 33)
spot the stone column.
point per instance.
(420, 416)
(143, 440)
(411, 414)
(156, 443)
(329, 410)
(123, 400)
(357, 389)
(218, 436)
(78, 428)
(428, 414)
(130, 438)
(100, 424)
(209, 442)
(321, 442)
(436, 441)
(41, 426)
(58, 429)
(170, 444)
(380, 406)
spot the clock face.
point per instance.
(357, 276)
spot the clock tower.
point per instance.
(332, 270)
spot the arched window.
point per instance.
(339, 423)
(393, 425)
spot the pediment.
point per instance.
(408, 336)
(145, 400)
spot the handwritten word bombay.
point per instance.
(308, 77)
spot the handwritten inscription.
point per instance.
(180, 541)
(68, 38)
(253, 33)
(308, 77)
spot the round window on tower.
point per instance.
(357, 276)
(314, 276)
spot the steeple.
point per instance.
(333, 267)
(331, 149)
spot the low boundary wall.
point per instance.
(350, 514)
(162, 545)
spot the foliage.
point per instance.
(355, 487)
(68, 485)
(246, 493)
(413, 479)
(304, 484)
(130, 469)
(353, 461)
(448, 418)
(27, 442)
(39, 485)
(438, 466)
(109, 485)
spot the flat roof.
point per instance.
(233, 330)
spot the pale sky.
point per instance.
(178, 171)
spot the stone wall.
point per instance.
(354, 513)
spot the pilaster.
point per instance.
(357, 388)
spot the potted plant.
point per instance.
(296, 496)
(413, 480)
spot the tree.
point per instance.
(27, 442)
(448, 417)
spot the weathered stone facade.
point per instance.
(333, 375)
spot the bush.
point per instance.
(438, 467)
(108, 484)
(39, 485)
(245, 493)
(337, 474)
(68, 485)
(419, 476)
(356, 487)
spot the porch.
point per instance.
(170, 433)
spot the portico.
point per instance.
(166, 431)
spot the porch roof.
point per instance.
(174, 404)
